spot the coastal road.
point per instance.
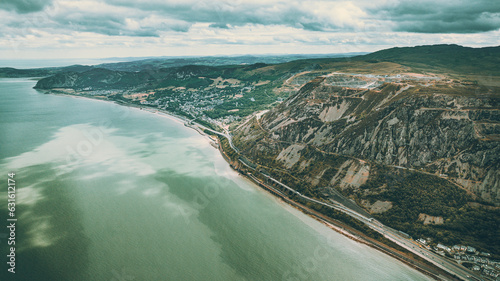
(439, 261)
(226, 134)
(346, 230)
(393, 235)
(389, 233)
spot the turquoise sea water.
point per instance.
(106, 192)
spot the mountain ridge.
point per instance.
(402, 146)
(452, 57)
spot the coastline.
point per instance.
(346, 230)
(334, 225)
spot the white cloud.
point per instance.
(92, 28)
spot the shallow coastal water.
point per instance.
(106, 192)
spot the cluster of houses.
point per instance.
(466, 254)
(480, 260)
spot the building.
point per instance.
(422, 241)
(443, 247)
(471, 249)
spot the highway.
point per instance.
(226, 134)
(393, 235)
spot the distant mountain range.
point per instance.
(138, 64)
(440, 58)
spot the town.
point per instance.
(465, 255)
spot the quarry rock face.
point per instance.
(446, 129)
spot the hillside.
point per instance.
(152, 64)
(478, 65)
(402, 150)
(9, 72)
(443, 58)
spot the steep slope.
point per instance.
(403, 150)
(444, 129)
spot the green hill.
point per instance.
(442, 58)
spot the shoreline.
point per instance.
(332, 224)
(343, 229)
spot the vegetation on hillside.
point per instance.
(413, 193)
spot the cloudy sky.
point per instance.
(134, 28)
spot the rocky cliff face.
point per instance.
(445, 128)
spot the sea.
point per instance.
(108, 192)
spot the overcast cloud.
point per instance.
(24, 6)
(66, 28)
(431, 16)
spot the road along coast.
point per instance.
(438, 273)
